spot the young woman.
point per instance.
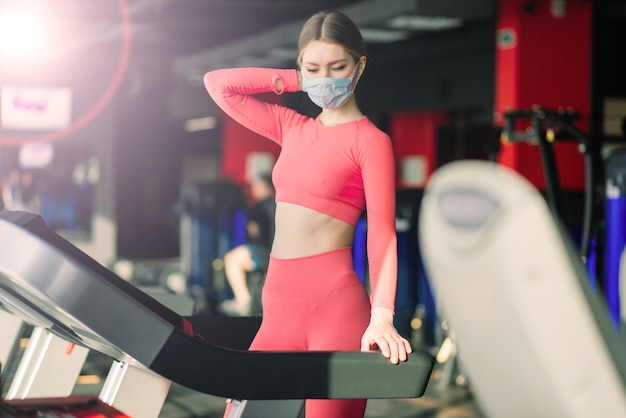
(329, 170)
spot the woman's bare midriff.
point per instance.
(301, 231)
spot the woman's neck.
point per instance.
(347, 113)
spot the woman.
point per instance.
(330, 167)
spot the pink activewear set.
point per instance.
(317, 302)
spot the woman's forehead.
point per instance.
(320, 52)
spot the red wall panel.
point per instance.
(238, 141)
(415, 134)
(544, 59)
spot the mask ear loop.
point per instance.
(356, 75)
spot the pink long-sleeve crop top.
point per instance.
(331, 169)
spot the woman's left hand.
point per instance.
(382, 334)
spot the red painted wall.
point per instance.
(544, 60)
(415, 134)
(238, 142)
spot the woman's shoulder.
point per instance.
(368, 130)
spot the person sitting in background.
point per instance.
(19, 192)
(254, 254)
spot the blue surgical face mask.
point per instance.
(329, 92)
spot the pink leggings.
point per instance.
(315, 303)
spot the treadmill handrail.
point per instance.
(91, 306)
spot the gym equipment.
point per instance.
(75, 406)
(533, 337)
(615, 231)
(10, 332)
(546, 126)
(212, 222)
(359, 250)
(406, 290)
(49, 367)
(48, 282)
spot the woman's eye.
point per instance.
(341, 68)
(311, 70)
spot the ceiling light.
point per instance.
(415, 22)
(200, 124)
(26, 32)
(384, 35)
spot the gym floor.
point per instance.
(451, 402)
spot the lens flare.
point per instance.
(24, 32)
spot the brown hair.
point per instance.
(333, 27)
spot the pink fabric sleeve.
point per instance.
(233, 89)
(378, 171)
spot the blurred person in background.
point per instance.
(254, 254)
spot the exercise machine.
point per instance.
(10, 332)
(534, 338)
(51, 284)
(544, 127)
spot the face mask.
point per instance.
(329, 92)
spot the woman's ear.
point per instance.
(361, 63)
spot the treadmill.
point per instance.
(49, 283)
